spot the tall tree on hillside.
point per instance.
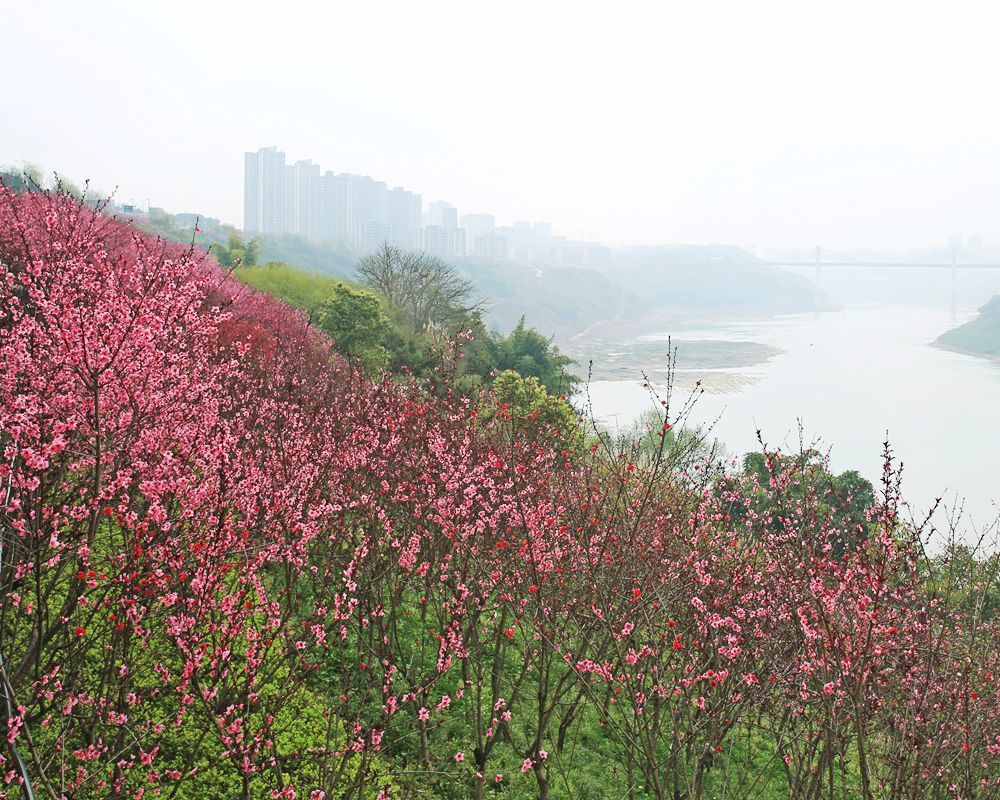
(426, 292)
(532, 354)
(357, 324)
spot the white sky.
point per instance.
(851, 124)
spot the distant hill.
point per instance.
(980, 336)
(707, 278)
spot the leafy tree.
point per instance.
(424, 292)
(529, 353)
(528, 412)
(238, 252)
(357, 324)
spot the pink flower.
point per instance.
(527, 764)
(459, 757)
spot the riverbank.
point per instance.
(977, 337)
(965, 351)
(626, 350)
(852, 379)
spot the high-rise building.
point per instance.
(456, 242)
(442, 214)
(264, 205)
(433, 240)
(476, 225)
(302, 198)
(336, 203)
(369, 209)
(363, 213)
(491, 245)
(404, 215)
(440, 242)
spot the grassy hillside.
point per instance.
(980, 336)
(305, 290)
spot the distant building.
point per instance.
(336, 203)
(439, 241)
(369, 210)
(264, 179)
(433, 240)
(490, 245)
(302, 199)
(404, 215)
(363, 213)
(443, 215)
(456, 243)
(476, 225)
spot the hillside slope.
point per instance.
(980, 336)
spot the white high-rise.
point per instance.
(264, 204)
(302, 198)
(443, 215)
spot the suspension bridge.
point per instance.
(837, 261)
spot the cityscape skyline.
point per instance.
(361, 213)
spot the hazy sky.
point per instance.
(852, 124)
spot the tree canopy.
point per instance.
(357, 323)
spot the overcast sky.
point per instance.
(851, 124)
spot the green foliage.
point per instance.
(649, 441)
(840, 502)
(532, 413)
(967, 578)
(532, 355)
(303, 726)
(237, 252)
(358, 325)
(299, 289)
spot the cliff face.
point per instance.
(980, 336)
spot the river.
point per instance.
(851, 377)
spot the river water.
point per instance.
(851, 378)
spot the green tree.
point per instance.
(529, 353)
(237, 252)
(358, 325)
(523, 409)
